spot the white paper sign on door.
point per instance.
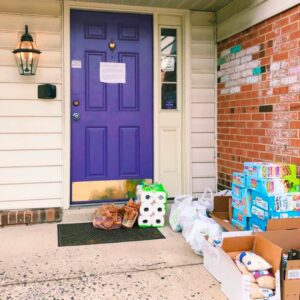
(168, 64)
(112, 72)
(76, 64)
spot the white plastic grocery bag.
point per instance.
(207, 199)
(203, 226)
(190, 216)
(183, 211)
(176, 209)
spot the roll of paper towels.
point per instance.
(147, 197)
(146, 209)
(160, 197)
(144, 221)
(159, 209)
(158, 221)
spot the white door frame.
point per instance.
(185, 14)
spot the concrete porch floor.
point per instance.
(32, 266)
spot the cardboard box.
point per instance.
(249, 168)
(283, 224)
(212, 260)
(274, 170)
(288, 202)
(242, 204)
(268, 187)
(235, 285)
(212, 255)
(257, 225)
(239, 192)
(270, 170)
(272, 186)
(265, 202)
(239, 178)
(260, 213)
(240, 216)
(239, 225)
(286, 240)
(291, 287)
(222, 214)
(260, 217)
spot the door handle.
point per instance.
(75, 116)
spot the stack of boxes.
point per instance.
(264, 191)
(273, 186)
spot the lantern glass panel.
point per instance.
(26, 57)
(35, 60)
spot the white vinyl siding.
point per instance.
(203, 102)
(31, 129)
(29, 158)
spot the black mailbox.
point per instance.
(46, 91)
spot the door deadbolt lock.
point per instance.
(75, 116)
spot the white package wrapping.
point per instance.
(147, 197)
(160, 197)
(159, 209)
(144, 220)
(153, 205)
(158, 220)
(146, 209)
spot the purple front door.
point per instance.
(112, 123)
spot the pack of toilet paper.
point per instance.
(153, 200)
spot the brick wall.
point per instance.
(259, 95)
(30, 216)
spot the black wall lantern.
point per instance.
(27, 56)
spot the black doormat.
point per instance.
(85, 234)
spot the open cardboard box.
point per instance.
(212, 255)
(286, 240)
(222, 214)
(235, 285)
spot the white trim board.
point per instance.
(186, 108)
(69, 4)
(203, 102)
(240, 15)
(156, 12)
